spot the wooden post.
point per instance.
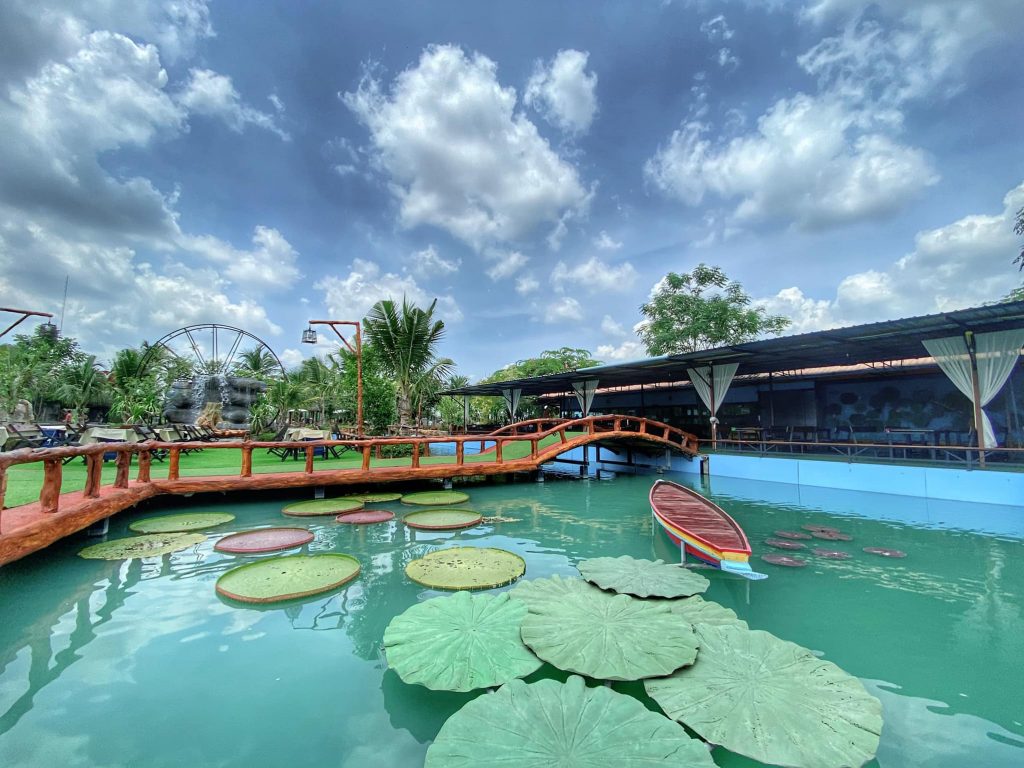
(366, 457)
(309, 459)
(145, 459)
(561, 435)
(617, 425)
(979, 429)
(124, 462)
(497, 450)
(49, 495)
(591, 428)
(460, 453)
(3, 489)
(416, 454)
(246, 461)
(533, 448)
(93, 475)
(174, 466)
(376, 453)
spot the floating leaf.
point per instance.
(365, 517)
(442, 519)
(318, 507)
(697, 610)
(466, 568)
(192, 521)
(460, 643)
(771, 700)
(548, 723)
(784, 544)
(784, 560)
(792, 535)
(579, 628)
(820, 528)
(832, 535)
(377, 497)
(264, 540)
(435, 498)
(643, 578)
(150, 545)
(288, 577)
(831, 554)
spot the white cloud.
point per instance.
(611, 327)
(526, 284)
(504, 263)
(717, 29)
(459, 155)
(429, 263)
(563, 309)
(564, 92)
(727, 59)
(606, 242)
(627, 350)
(269, 266)
(213, 95)
(594, 275)
(351, 296)
(291, 357)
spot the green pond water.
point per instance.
(140, 663)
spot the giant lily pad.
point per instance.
(374, 497)
(366, 517)
(643, 578)
(150, 545)
(442, 519)
(288, 577)
(771, 700)
(696, 610)
(318, 507)
(192, 521)
(264, 540)
(577, 627)
(466, 568)
(460, 643)
(548, 723)
(435, 498)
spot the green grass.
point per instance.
(25, 480)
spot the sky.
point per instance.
(536, 167)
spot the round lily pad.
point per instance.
(696, 610)
(643, 578)
(792, 535)
(318, 507)
(378, 497)
(192, 521)
(784, 560)
(460, 643)
(771, 700)
(442, 519)
(264, 540)
(883, 552)
(466, 568)
(784, 544)
(822, 528)
(435, 498)
(149, 545)
(832, 535)
(549, 723)
(366, 517)
(831, 554)
(288, 577)
(579, 628)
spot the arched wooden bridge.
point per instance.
(521, 447)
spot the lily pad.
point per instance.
(378, 497)
(784, 560)
(579, 628)
(288, 577)
(192, 521)
(696, 610)
(792, 535)
(264, 540)
(643, 578)
(149, 545)
(442, 519)
(365, 517)
(771, 700)
(435, 498)
(460, 643)
(822, 528)
(466, 568)
(318, 507)
(832, 535)
(831, 554)
(784, 544)
(549, 723)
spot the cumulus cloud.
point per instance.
(563, 309)
(595, 275)
(504, 263)
(627, 350)
(459, 155)
(366, 284)
(606, 242)
(526, 284)
(271, 264)
(429, 263)
(612, 327)
(213, 95)
(564, 92)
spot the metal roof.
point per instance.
(885, 341)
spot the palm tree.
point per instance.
(407, 341)
(82, 384)
(255, 363)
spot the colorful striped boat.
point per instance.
(701, 529)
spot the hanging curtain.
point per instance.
(716, 379)
(995, 353)
(585, 394)
(512, 400)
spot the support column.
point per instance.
(979, 429)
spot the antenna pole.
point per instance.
(67, 279)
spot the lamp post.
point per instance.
(25, 315)
(309, 337)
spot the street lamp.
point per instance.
(309, 337)
(25, 315)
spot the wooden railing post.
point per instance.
(561, 435)
(643, 426)
(366, 457)
(124, 462)
(49, 496)
(145, 460)
(591, 427)
(174, 464)
(377, 454)
(415, 454)
(533, 448)
(617, 425)
(3, 489)
(309, 459)
(497, 450)
(246, 461)
(460, 453)
(93, 475)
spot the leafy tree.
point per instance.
(450, 408)
(1018, 228)
(379, 393)
(82, 384)
(255, 363)
(135, 393)
(702, 309)
(549, 361)
(407, 340)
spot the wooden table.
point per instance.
(108, 435)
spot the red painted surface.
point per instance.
(701, 518)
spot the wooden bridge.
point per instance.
(521, 447)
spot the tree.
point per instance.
(255, 363)
(702, 309)
(549, 361)
(135, 394)
(1017, 294)
(82, 384)
(406, 340)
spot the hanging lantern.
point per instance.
(309, 335)
(49, 331)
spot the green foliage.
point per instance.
(32, 367)
(1018, 229)
(82, 384)
(702, 309)
(257, 363)
(491, 410)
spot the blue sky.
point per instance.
(536, 166)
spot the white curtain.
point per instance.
(996, 354)
(512, 400)
(585, 394)
(718, 375)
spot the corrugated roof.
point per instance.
(885, 341)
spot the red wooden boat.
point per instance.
(701, 528)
